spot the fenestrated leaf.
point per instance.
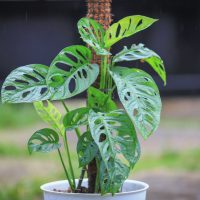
(111, 180)
(139, 52)
(93, 34)
(76, 118)
(126, 27)
(86, 149)
(100, 101)
(50, 114)
(116, 139)
(26, 84)
(140, 97)
(71, 73)
(44, 140)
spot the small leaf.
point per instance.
(126, 27)
(71, 72)
(93, 34)
(116, 139)
(86, 149)
(139, 52)
(50, 114)
(26, 84)
(44, 140)
(100, 101)
(140, 97)
(76, 118)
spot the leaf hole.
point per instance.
(31, 77)
(36, 72)
(118, 30)
(102, 137)
(130, 21)
(25, 94)
(84, 73)
(79, 74)
(21, 81)
(135, 112)
(72, 85)
(139, 23)
(63, 66)
(146, 79)
(10, 88)
(80, 54)
(71, 57)
(43, 90)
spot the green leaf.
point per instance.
(71, 73)
(76, 118)
(44, 140)
(111, 180)
(93, 34)
(126, 27)
(26, 84)
(100, 101)
(116, 138)
(139, 52)
(140, 97)
(86, 149)
(50, 114)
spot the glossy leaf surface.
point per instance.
(71, 73)
(139, 52)
(116, 138)
(26, 84)
(100, 101)
(76, 118)
(93, 34)
(86, 149)
(44, 140)
(50, 114)
(126, 27)
(140, 97)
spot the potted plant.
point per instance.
(109, 142)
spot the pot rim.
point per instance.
(145, 185)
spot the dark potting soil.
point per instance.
(81, 190)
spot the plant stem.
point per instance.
(97, 178)
(66, 173)
(69, 158)
(81, 178)
(78, 133)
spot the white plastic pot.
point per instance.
(132, 190)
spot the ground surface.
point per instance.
(179, 132)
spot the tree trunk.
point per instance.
(99, 10)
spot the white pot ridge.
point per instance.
(132, 190)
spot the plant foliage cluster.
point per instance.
(110, 137)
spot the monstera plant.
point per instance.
(110, 137)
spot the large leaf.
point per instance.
(86, 149)
(44, 140)
(116, 139)
(93, 34)
(26, 84)
(71, 73)
(76, 118)
(139, 52)
(50, 114)
(100, 101)
(140, 97)
(126, 27)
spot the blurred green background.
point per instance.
(170, 158)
